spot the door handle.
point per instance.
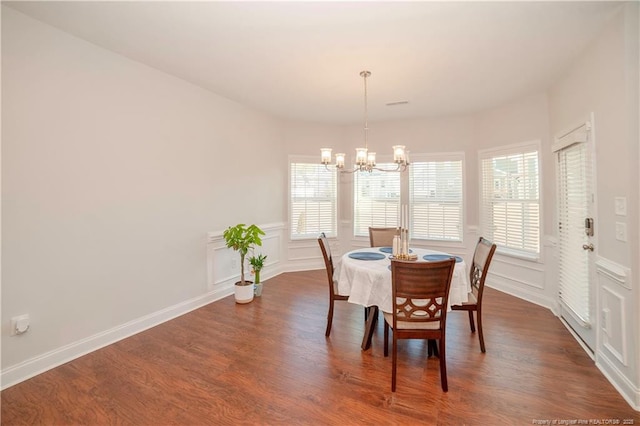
(587, 247)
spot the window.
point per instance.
(436, 198)
(313, 200)
(510, 211)
(376, 200)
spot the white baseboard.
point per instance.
(629, 392)
(39, 364)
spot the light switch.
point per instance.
(621, 231)
(621, 206)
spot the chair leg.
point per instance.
(386, 338)
(366, 313)
(443, 367)
(394, 363)
(471, 323)
(329, 318)
(479, 315)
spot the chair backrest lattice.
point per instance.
(421, 290)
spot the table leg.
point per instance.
(432, 348)
(370, 325)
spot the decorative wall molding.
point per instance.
(613, 271)
(223, 268)
(615, 347)
(524, 273)
(216, 236)
(613, 325)
(507, 285)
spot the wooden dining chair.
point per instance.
(333, 285)
(420, 291)
(477, 274)
(382, 237)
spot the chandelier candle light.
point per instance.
(365, 160)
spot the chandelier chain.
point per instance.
(366, 74)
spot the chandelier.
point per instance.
(365, 160)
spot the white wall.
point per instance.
(113, 173)
(605, 81)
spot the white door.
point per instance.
(576, 231)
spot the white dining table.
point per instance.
(367, 282)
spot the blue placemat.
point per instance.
(434, 257)
(390, 250)
(366, 255)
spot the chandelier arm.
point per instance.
(341, 170)
(399, 168)
(348, 171)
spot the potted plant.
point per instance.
(243, 238)
(257, 263)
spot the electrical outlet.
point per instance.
(621, 231)
(19, 324)
(621, 206)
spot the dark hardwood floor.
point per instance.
(269, 362)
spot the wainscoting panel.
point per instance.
(223, 264)
(521, 278)
(614, 333)
(614, 356)
(614, 302)
(303, 255)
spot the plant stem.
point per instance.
(242, 268)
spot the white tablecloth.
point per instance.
(368, 282)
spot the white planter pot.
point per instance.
(244, 293)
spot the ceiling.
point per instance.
(302, 60)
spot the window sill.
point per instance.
(517, 254)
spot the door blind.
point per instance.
(574, 183)
(313, 202)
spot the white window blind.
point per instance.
(574, 183)
(376, 200)
(436, 200)
(313, 201)
(510, 214)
